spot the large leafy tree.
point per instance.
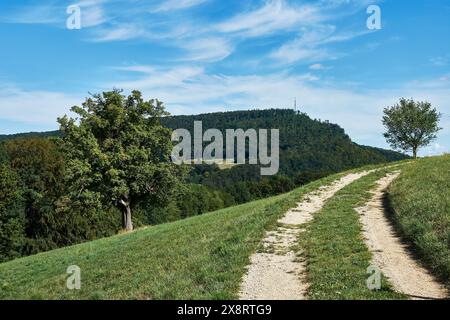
(411, 125)
(118, 152)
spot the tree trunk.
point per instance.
(415, 152)
(127, 223)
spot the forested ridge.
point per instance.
(305, 144)
(309, 149)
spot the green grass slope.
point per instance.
(420, 205)
(204, 257)
(198, 258)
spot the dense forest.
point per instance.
(39, 212)
(309, 149)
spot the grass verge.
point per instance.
(337, 257)
(420, 206)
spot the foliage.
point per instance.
(3, 154)
(11, 220)
(45, 215)
(198, 199)
(189, 200)
(118, 152)
(410, 125)
(40, 166)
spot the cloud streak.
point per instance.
(35, 107)
(275, 15)
(171, 5)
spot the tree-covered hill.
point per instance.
(307, 147)
(305, 144)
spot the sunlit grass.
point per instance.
(203, 257)
(420, 205)
(337, 257)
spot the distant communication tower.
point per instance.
(295, 104)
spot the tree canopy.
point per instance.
(11, 220)
(411, 125)
(119, 153)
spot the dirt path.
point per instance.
(391, 255)
(275, 272)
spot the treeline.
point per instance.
(244, 183)
(35, 215)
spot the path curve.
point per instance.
(275, 272)
(390, 254)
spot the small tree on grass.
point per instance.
(119, 152)
(411, 125)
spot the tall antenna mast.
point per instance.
(295, 103)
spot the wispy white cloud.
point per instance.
(312, 21)
(119, 32)
(317, 67)
(433, 83)
(93, 13)
(275, 15)
(39, 14)
(54, 13)
(170, 5)
(311, 44)
(441, 60)
(35, 107)
(434, 149)
(207, 49)
(306, 47)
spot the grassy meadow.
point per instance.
(203, 257)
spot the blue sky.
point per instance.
(213, 55)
